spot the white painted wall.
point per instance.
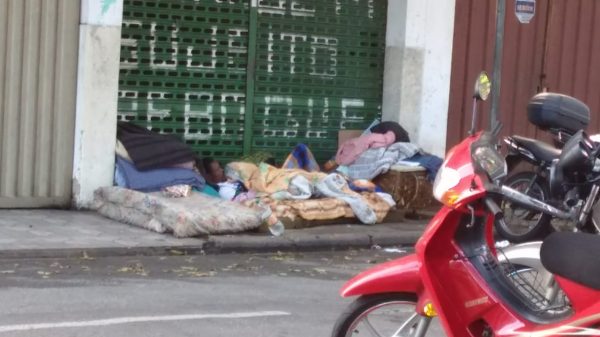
(417, 69)
(97, 89)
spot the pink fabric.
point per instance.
(353, 148)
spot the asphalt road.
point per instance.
(274, 295)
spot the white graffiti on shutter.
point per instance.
(156, 112)
(323, 45)
(212, 63)
(293, 38)
(281, 8)
(351, 102)
(163, 64)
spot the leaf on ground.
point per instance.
(176, 252)
(202, 274)
(136, 268)
(192, 272)
(59, 266)
(230, 267)
(86, 256)
(282, 257)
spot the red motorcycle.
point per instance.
(455, 275)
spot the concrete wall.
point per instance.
(97, 89)
(417, 69)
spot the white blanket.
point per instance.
(374, 162)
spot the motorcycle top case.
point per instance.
(559, 112)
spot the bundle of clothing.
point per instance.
(384, 145)
(294, 187)
(147, 161)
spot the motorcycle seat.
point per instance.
(540, 150)
(573, 256)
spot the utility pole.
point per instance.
(497, 71)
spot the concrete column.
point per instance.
(97, 90)
(416, 85)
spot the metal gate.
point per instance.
(557, 52)
(38, 67)
(232, 79)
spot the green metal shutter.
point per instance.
(183, 71)
(315, 67)
(319, 70)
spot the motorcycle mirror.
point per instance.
(483, 86)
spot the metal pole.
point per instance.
(500, 16)
(249, 107)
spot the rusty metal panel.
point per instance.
(473, 51)
(573, 53)
(37, 101)
(558, 51)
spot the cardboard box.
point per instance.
(344, 135)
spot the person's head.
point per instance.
(213, 172)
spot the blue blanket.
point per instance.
(430, 162)
(301, 158)
(155, 180)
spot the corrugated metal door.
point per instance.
(474, 38)
(315, 67)
(557, 52)
(572, 58)
(38, 67)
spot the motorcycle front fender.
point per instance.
(401, 275)
(526, 255)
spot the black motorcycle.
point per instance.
(563, 117)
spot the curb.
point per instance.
(300, 242)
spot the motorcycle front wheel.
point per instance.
(382, 315)
(521, 224)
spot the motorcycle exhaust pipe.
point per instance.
(527, 201)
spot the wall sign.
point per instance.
(525, 10)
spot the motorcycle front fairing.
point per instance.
(469, 289)
(404, 274)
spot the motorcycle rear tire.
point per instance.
(541, 227)
(349, 320)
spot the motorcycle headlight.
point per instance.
(445, 180)
(487, 160)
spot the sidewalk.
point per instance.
(57, 233)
